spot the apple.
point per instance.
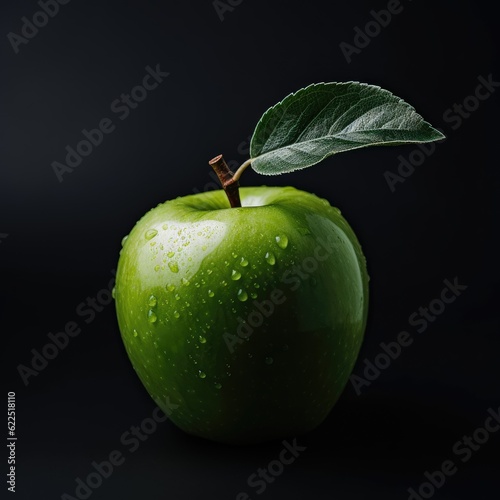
(247, 320)
(243, 312)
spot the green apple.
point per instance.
(247, 320)
(244, 319)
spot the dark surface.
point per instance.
(64, 237)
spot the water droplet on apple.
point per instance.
(243, 262)
(234, 254)
(113, 292)
(134, 333)
(218, 385)
(202, 339)
(151, 233)
(282, 240)
(211, 293)
(235, 275)
(202, 374)
(270, 258)
(242, 295)
(336, 210)
(124, 239)
(256, 285)
(170, 288)
(269, 360)
(185, 281)
(209, 271)
(223, 283)
(173, 267)
(197, 285)
(176, 314)
(164, 227)
(177, 296)
(170, 254)
(157, 268)
(152, 301)
(152, 316)
(253, 295)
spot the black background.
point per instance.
(64, 237)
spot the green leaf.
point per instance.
(327, 118)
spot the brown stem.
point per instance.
(230, 185)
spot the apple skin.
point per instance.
(179, 295)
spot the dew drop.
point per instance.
(152, 316)
(170, 254)
(135, 333)
(176, 314)
(185, 281)
(234, 254)
(218, 385)
(270, 258)
(243, 262)
(151, 233)
(253, 295)
(242, 295)
(113, 292)
(157, 267)
(282, 240)
(177, 296)
(211, 293)
(197, 285)
(256, 285)
(164, 227)
(235, 275)
(202, 374)
(173, 267)
(124, 239)
(223, 283)
(202, 339)
(152, 301)
(269, 360)
(170, 288)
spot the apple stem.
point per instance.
(227, 179)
